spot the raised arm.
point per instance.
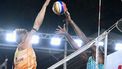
(38, 21)
(73, 44)
(40, 17)
(63, 31)
(79, 32)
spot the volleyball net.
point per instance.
(80, 50)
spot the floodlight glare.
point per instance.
(11, 37)
(101, 44)
(55, 41)
(35, 39)
(118, 46)
(78, 42)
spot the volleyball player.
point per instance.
(25, 57)
(91, 63)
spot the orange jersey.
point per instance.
(25, 59)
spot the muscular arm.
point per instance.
(71, 41)
(83, 37)
(76, 28)
(85, 40)
(73, 44)
(80, 34)
(40, 17)
(63, 31)
(38, 21)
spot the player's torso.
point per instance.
(91, 64)
(24, 59)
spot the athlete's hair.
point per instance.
(21, 34)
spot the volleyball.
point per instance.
(59, 7)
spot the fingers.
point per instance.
(64, 25)
(57, 29)
(60, 27)
(57, 32)
(65, 8)
(67, 13)
(68, 18)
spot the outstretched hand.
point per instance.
(67, 14)
(61, 30)
(68, 17)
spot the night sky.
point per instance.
(22, 13)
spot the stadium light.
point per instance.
(101, 43)
(55, 41)
(78, 42)
(35, 39)
(118, 46)
(11, 37)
